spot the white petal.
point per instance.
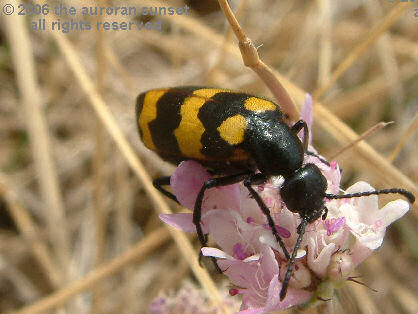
(211, 251)
(320, 264)
(301, 253)
(269, 240)
(252, 258)
(393, 211)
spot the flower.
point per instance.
(250, 256)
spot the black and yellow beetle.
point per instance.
(233, 135)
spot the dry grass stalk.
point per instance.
(30, 232)
(325, 45)
(99, 165)
(108, 121)
(95, 277)
(404, 138)
(347, 104)
(251, 59)
(388, 21)
(362, 137)
(303, 51)
(39, 138)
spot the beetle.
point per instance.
(234, 135)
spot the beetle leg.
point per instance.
(159, 182)
(301, 124)
(301, 230)
(197, 213)
(259, 178)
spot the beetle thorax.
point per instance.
(276, 149)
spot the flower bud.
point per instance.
(340, 266)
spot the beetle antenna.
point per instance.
(301, 230)
(407, 194)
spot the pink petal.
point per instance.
(371, 239)
(211, 251)
(319, 262)
(241, 274)
(225, 197)
(187, 180)
(222, 226)
(359, 253)
(366, 207)
(182, 221)
(249, 208)
(252, 311)
(239, 251)
(269, 264)
(250, 300)
(293, 296)
(393, 211)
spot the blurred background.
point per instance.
(72, 209)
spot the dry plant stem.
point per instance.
(30, 232)
(99, 163)
(99, 157)
(347, 104)
(226, 39)
(26, 290)
(124, 202)
(40, 142)
(404, 47)
(361, 294)
(362, 137)
(251, 59)
(118, 67)
(390, 19)
(115, 132)
(123, 227)
(385, 51)
(92, 279)
(401, 143)
(374, 161)
(325, 49)
(404, 296)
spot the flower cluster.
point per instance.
(248, 252)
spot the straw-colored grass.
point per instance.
(79, 231)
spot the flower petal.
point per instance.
(241, 274)
(211, 251)
(252, 311)
(182, 221)
(393, 211)
(222, 226)
(293, 296)
(319, 264)
(359, 253)
(366, 222)
(187, 180)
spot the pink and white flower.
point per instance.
(248, 252)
